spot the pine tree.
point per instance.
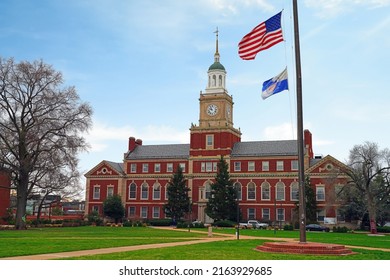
(113, 207)
(178, 200)
(222, 204)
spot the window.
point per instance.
(132, 191)
(237, 166)
(238, 189)
(145, 167)
(320, 215)
(265, 213)
(294, 165)
(95, 208)
(110, 190)
(251, 166)
(156, 191)
(183, 166)
(280, 214)
(209, 166)
(340, 216)
(265, 191)
(169, 167)
(157, 167)
(279, 165)
(209, 141)
(251, 213)
(320, 193)
(265, 166)
(208, 190)
(133, 168)
(144, 191)
(131, 212)
(96, 192)
(295, 191)
(144, 212)
(280, 191)
(156, 212)
(251, 191)
(166, 192)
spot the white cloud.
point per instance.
(103, 136)
(284, 131)
(332, 8)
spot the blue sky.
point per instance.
(142, 64)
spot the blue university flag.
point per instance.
(275, 85)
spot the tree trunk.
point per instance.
(371, 213)
(20, 220)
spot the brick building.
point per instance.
(265, 172)
(5, 185)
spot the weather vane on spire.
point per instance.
(216, 56)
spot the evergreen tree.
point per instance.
(311, 202)
(178, 200)
(113, 207)
(222, 204)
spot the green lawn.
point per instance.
(49, 240)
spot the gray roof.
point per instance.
(160, 151)
(117, 166)
(265, 148)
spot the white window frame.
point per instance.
(251, 192)
(264, 215)
(131, 213)
(144, 212)
(133, 194)
(156, 191)
(280, 191)
(264, 187)
(320, 195)
(156, 212)
(157, 167)
(146, 186)
(110, 190)
(251, 213)
(279, 165)
(96, 192)
(145, 167)
(237, 166)
(280, 215)
(294, 191)
(209, 141)
(294, 165)
(251, 166)
(133, 168)
(265, 166)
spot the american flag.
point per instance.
(262, 37)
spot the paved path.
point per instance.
(216, 237)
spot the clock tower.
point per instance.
(215, 134)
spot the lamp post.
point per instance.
(238, 214)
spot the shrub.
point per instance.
(288, 227)
(383, 229)
(93, 218)
(341, 229)
(160, 222)
(224, 223)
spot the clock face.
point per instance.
(212, 110)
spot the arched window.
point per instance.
(220, 80)
(214, 80)
(251, 191)
(156, 191)
(207, 190)
(144, 191)
(238, 189)
(265, 191)
(294, 191)
(280, 191)
(132, 191)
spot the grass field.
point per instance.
(49, 240)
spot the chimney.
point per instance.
(308, 143)
(131, 144)
(138, 142)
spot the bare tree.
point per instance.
(40, 119)
(369, 174)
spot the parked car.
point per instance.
(315, 227)
(257, 224)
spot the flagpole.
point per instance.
(301, 164)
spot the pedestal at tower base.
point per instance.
(308, 248)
